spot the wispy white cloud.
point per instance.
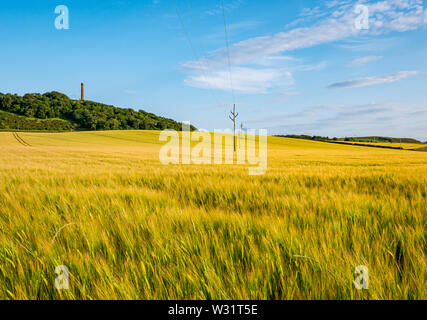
(369, 81)
(369, 44)
(312, 67)
(130, 91)
(309, 12)
(337, 27)
(336, 3)
(228, 7)
(364, 60)
(337, 24)
(233, 30)
(283, 97)
(245, 80)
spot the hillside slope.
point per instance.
(10, 121)
(81, 115)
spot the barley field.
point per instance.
(128, 227)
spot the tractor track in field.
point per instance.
(20, 140)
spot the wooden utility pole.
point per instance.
(233, 118)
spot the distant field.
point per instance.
(128, 227)
(406, 146)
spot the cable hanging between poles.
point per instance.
(196, 56)
(228, 51)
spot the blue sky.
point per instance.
(297, 67)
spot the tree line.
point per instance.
(82, 115)
(10, 121)
(375, 139)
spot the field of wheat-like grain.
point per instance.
(128, 227)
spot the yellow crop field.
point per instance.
(128, 227)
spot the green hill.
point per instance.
(54, 111)
(10, 121)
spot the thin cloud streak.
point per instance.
(364, 60)
(369, 81)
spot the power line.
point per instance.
(234, 114)
(228, 50)
(196, 56)
(206, 61)
(183, 27)
(194, 25)
(233, 117)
